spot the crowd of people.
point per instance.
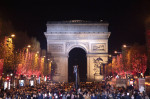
(88, 90)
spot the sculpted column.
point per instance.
(88, 67)
(62, 69)
(66, 69)
(92, 71)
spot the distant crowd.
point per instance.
(68, 91)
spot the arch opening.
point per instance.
(77, 56)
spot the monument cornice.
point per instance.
(92, 27)
(77, 36)
(71, 33)
(77, 22)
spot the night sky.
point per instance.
(126, 17)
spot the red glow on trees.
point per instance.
(117, 65)
(132, 61)
(30, 63)
(139, 63)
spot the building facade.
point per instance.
(63, 36)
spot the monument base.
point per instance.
(98, 77)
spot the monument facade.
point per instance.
(63, 36)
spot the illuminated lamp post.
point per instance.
(125, 49)
(49, 66)
(29, 46)
(26, 59)
(110, 62)
(10, 45)
(12, 35)
(28, 49)
(45, 68)
(12, 75)
(116, 52)
(9, 54)
(125, 46)
(28, 77)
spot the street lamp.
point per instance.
(12, 35)
(109, 64)
(49, 67)
(29, 46)
(124, 46)
(109, 55)
(14, 66)
(11, 74)
(116, 52)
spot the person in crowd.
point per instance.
(66, 91)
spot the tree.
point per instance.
(137, 59)
(8, 56)
(30, 63)
(117, 64)
(6, 45)
(35, 49)
(139, 63)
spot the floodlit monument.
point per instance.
(92, 37)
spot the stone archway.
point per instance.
(77, 56)
(63, 36)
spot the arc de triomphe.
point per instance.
(63, 36)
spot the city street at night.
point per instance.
(75, 50)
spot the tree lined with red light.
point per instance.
(132, 61)
(139, 63)
(138, 59)
(30, 63)
(15, 56)
(117, 64)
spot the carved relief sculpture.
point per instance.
(97, 65)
